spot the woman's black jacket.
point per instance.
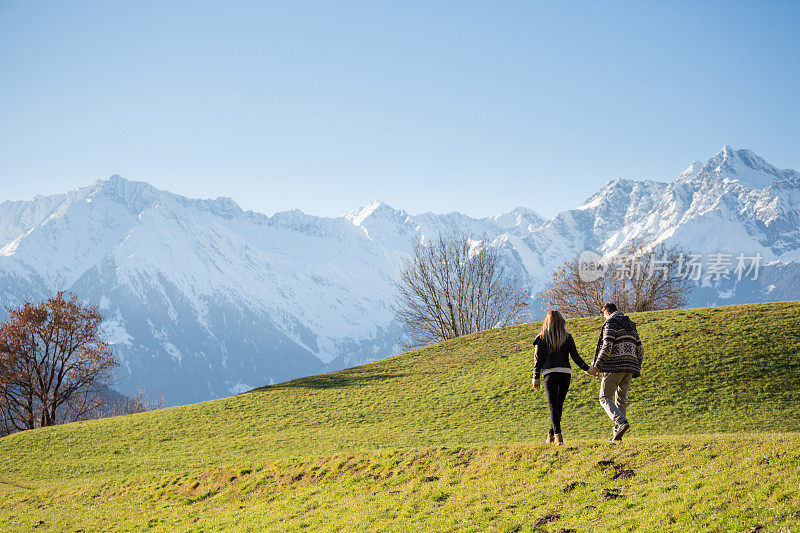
(544, 358)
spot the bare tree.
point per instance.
(454, 286)
(117, 404)
(52, 363)
(127, 405)
(643, 276)
(658, 282)
(574, 296)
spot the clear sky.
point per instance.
(430, 106)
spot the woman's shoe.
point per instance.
(550, 438)
(559, 439)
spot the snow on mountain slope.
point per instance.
(203, 299)
(741, 166)
(734, 202)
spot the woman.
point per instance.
(552, 349)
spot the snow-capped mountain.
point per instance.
(202, 299)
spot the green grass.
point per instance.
(720, 392)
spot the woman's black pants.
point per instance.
(556, 385)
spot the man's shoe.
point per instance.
(559, 439)
(620, 430)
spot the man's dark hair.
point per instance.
(609, 308)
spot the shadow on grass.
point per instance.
(17, 485)
(334, 380)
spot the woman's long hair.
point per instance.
(554, 330)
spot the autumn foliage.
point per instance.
(53, 363)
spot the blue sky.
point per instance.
(430, 106)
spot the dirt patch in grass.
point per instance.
(569, 487)
(610, 494)
(542, 520)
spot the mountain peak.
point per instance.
(117, 181)
(742, 166)
(521, 210)
(521, 216)
(691, 171)
(135, 195)
(373, 209)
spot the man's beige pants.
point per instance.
(614, 395)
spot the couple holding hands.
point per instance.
(618, 359)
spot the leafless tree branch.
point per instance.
(454, 286)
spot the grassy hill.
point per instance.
(448, 437)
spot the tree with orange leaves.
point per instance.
(53, 363)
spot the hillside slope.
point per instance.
(723, 369)
(717, 370)
(728, 482)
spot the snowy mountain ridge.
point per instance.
(203, 299)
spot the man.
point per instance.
(619, 357)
